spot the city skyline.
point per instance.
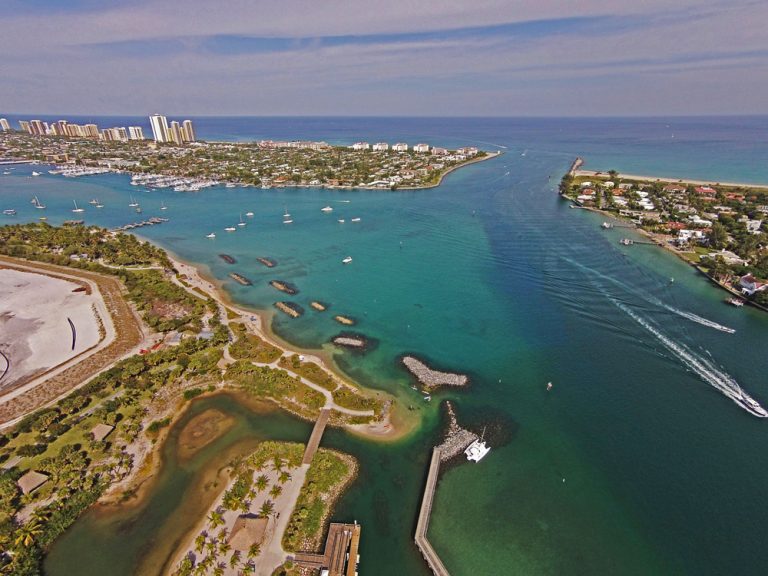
(298, 58)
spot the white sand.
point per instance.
(34, 332)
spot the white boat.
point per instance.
(347, 260)
(355, 219)
(326, 209)
(93, 201)
(163, 206)
(230, 229)
(229, 185)
(76, 209)
(211, 235)
(37, 204)
(133, 203)
(35, 173)
(138, 209)
(249, 214)
(477, 450)
(286, 215)
(99, 205)
(606, 225)
(287, 221)
(341, 220)
(241, 223)
(9, 212)
(43, 218)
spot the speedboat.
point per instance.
(249, 214)
(327, 209)
(9, 212)
(347, 260)
(287, 221)
(211, 235)
(341, 220)
(355, 219)
(230, 229)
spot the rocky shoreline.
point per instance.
(431, 378)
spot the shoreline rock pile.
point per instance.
(430, 378)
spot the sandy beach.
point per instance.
(673, 180)
(35, 330)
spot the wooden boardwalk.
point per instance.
(317, 434)
(437, 566)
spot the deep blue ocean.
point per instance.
(634, 463)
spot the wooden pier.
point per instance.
(317, 434)
(433, 560)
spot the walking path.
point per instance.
(437, 566)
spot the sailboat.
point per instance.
(133, 203)
(241, 223)
(286, 214)
(38, 205)
(477, 450)
(76, 209)
(163, 206)
(99, 204)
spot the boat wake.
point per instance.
(699, 320)
(707, 371)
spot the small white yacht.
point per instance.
(76, 209)
(9, 212)
(341, 220)
(347, 260)
(241, 223)
(355, 219)
(288, 221)
(93, 201)
(326, 209)
(477, 450)
(35, 173)
(211, 235)
(99, 205)
(249, 214)
(230, 229)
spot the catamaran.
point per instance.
(477, 450)
(76, 209)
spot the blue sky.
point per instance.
(400, 57)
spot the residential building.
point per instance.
(380, 147)
(159, 128)
(439, 151)
(750, 285)
(361, 146)
(188, 131)
(135, 132)
(421, 148)
(4, 126)
(24, 126)
(400, 147)
(175, 133)
(91, 131)
(37, 128)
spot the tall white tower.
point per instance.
(159, 127)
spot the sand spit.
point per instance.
(431, 378)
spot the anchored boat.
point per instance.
(477, 450)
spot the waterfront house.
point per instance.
(439, 151)
(750, 285)
(727, 256)
(705, 190)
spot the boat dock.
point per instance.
(317, 434)
(433, 560)
(151, 222)
(341, 551)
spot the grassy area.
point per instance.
(326, 476)
(251, 347)
(278, 385)
(309, 370)
(352, 399)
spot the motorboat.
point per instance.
(211, 235)
(355, 220)
(9, 212)
(230, 229)
(347, 260)
(249, 214)
(287, 221)
(326, 209)
(341, 220)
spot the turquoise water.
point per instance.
(633, 464)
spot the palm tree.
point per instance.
(248, 568)
(225, 547)
(284, 477)
(234, 559)
(215, 519)
(267, 508)
(200, 543)
(254, 550)
(219, 570)
(28, 533)
(276, 491)
(262, 482)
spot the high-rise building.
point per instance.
(60, 128)
(4, 125)
(25, 127)
(176, 133)
(37, 127)
(91, 130)
(159, 127)
(135, 132)
(189, 131)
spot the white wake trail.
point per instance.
(698, 319)
(707, 371)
